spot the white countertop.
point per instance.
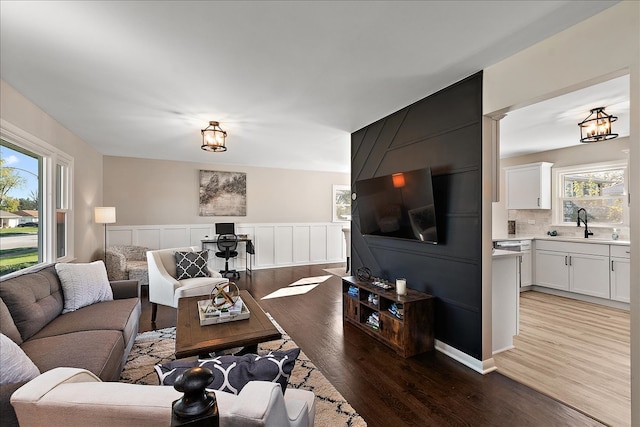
(589, 240)
(573, 239)
(499, 253)
(513, 237)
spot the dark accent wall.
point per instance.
(443, 132)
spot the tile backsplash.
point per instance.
(542, 223)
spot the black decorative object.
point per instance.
(197, 408)
(364, 274)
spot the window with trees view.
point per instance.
(341, 203)
(19, 203)
(600, 189)
(34, 228)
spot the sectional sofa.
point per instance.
(97, 337)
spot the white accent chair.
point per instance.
(165, 289)
(74, 397)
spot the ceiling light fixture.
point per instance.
(213, 138)
(597, 126)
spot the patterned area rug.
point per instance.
(158, 346)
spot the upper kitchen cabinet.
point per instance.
(528, 186)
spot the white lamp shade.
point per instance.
(105, 215)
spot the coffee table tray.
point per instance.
(237, 312)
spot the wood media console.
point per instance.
(410, 335)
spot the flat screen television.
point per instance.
(400, 205)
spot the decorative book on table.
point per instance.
(212, 313)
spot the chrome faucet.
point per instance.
(587, 233)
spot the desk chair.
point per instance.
(227, 245)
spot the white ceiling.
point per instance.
(289, 81)
(553, 123)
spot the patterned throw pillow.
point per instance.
(191, 264)
(232, 373)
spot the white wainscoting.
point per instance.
(276, 244)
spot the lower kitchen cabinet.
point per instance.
(575, 267)
(620, 273)
(552, 269)
(589, 275)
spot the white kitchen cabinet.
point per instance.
(589, 275)
(526, 272)
(505, 297)
(552, 269)
(620, 273)
(528, 186)
(575, 267)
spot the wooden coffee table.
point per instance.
(195, 340)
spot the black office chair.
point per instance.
(227, 245)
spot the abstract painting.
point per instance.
(223, 193)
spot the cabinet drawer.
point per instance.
(579, 248)
(620, 251)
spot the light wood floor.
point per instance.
(573, 351)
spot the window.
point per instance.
(20, 191)
(341, 203)
(601, 189)
(63, 200)
(36, 203)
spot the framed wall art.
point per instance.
(222, 193)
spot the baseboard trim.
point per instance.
(481, 366)
(580, 297)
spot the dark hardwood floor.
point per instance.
(425, 390)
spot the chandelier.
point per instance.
(597, 126)
(213, 138)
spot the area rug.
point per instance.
(158, 347)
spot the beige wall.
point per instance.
(22, 113)
(592, 51)
(578, 155)
(157, 192)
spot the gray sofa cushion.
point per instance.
(110, 315)
(7, 326)
(33, 299)
(97, 351)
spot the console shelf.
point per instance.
(410, 335)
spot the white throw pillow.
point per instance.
(83, 284)
(16, 365)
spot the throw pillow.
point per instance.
(16, 365)
(83, 284)
(232, 373)
(191, 264)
